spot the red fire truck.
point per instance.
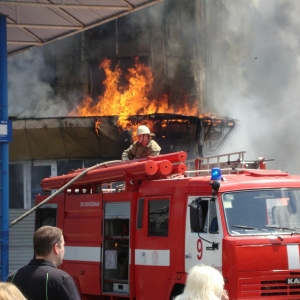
(134, 229)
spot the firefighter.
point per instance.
(143, 147)
(40, 279)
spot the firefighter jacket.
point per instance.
(137, 150)
(41, 280)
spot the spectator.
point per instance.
(40, 279)
(143, 147)
(204, 283)
(9, 291)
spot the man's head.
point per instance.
(143, 133)
(48, 243)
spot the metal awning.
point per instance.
(82, 137)
(33, 23)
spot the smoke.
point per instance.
(256, 80)
(30, 94)
(252, 59)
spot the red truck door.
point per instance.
(205, 246)
(83, 237)
(152, 247)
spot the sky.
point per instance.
(259, 84)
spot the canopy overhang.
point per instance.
(101, 137)
(34, 23)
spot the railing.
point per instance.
(230, 162)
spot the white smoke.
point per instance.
(254, 75)
(30, 94)
(258, 79)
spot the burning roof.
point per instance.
(106, 127)
(101, 136)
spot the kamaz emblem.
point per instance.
(293, 281)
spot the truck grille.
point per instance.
(272, 285)
(279, 288)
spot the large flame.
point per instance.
(131, 100)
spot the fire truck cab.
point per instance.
(134, 229)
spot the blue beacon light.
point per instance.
(216, 174)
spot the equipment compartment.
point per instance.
(116, 248)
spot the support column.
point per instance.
(4, 192)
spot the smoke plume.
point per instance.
(31, 94)
(257, 80)
(253, 71)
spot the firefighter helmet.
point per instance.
(142, 129)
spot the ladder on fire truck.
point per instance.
(229, 162)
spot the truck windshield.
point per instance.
(262, 211)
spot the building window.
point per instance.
(16, 186)
(65, 166)
(90, 162)
(158, 217)
(38, 173)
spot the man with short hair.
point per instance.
(40, 279)
(143, 147)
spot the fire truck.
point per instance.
(134, 229)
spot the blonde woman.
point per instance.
(9, 291)
(204, 283)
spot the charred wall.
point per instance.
(197, 50)
(184, 42)
(163, 36)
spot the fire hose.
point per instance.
(59, 191)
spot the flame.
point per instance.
(130, 100)
(98, 122)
